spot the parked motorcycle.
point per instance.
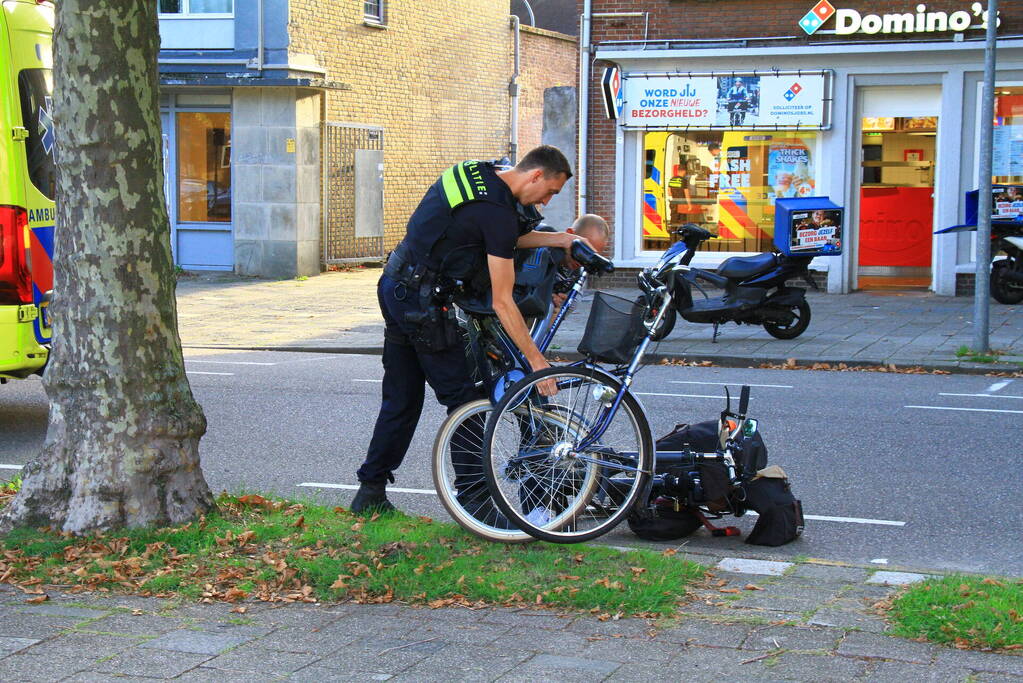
(1006, 273)
(755, 292)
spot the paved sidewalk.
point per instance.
(814, 623)
(810, 621)
(338, 312)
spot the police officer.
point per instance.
(463, 234)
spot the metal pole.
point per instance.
(982, 279)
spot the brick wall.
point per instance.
(547, 60)
(435, 79)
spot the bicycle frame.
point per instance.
(542, 334)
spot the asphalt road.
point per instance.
(917, 471)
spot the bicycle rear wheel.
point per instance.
(459, 478)
(567, 468)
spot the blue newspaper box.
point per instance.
(808, 226)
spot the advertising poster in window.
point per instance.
(1006, 201)
(816, 232)
(732, 101)
(1007, 151)
(790, 169)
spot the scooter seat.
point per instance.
(743, 267)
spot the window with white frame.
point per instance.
(205, 8)
(374, 11)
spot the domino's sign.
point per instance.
(920, 20)
(614, 98)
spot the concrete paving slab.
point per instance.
(818, 573)
(706, 632)
(561, 668)
(885, 578)
(381, 655)
(875, 646)
(848, 619)
(762, 567)
(195, 642)
(150, 663)
(29, 667)
(466, 663)
(981, 661)
(792, 666)
(252, 659)
(902, 672)
(10, 645)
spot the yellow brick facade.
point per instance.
(435, 79)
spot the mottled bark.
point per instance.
(122, 442)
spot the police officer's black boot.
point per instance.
(371, 497)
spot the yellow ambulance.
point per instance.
(27, 185)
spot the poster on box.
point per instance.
(818, 231)
(1006, 201)
(790, 169)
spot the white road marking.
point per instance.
(431, 492)
(228, 362)
(368, 380)
(983, 396)
(353, 487)
(999, 385)
(856, 520)
(200, 372)
(651, 393)
(967, 410)
(11, 467)
(734, 384)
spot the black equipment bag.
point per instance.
(780, 513)
(660, 521)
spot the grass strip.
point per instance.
(254, 547)
(965, 611)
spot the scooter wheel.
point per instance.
(791, 330)
(1004, 290)
(667, 322)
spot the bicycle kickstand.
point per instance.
(717, 530)
(714, 339)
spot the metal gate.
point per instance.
(353, 227)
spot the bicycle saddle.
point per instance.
(742, 267)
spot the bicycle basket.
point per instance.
(613, 330)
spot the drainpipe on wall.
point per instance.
(584, 97)
(257, 62)
(513, 92)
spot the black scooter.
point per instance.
(755, 289)
(1006, 273)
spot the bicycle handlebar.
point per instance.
(589, 259)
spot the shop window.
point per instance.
(197, 7)
(725, 181)
(1007, 148)
(204, 167)
(374, 11)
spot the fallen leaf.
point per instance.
(39, 598)
(752, 587)
(240, 609)
(729, 590)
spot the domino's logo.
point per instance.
(794, 90)
(815, 18)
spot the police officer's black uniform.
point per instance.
(464, 216)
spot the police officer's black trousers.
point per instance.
(408, 366)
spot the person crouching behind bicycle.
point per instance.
(594, 230)
(465, 230)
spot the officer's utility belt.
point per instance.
(412, 275)
(434, 322)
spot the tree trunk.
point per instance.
(123, 436)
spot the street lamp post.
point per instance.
(982, 279)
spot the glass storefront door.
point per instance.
(896, 202)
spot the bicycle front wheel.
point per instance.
(459, 479)
(567, 468)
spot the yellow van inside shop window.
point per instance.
(725, 181)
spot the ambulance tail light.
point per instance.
(15, 279)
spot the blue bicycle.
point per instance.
(497, 364)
